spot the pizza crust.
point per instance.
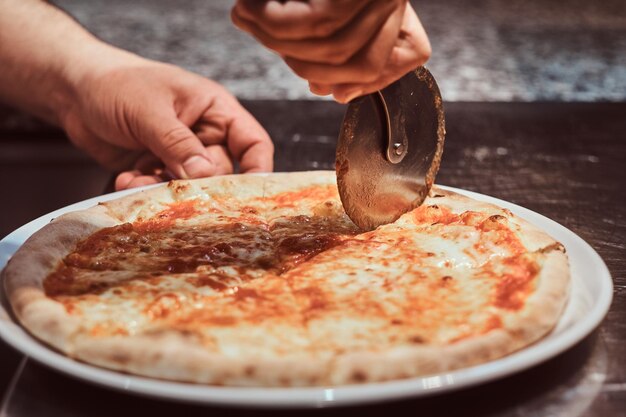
(178, 356)
(146, 203)
(531, 236)
(39, 255)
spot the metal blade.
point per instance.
(389, 149)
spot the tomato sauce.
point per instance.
(316, 193)
(516, 283)
(434, 214)
(165, 219)
(152, 250)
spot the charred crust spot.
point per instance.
(358, 376)
(155, 333)
(417, 339)
(429, 254)
(397, 321)
(186, 333)
(438, 195)
(446, 278)
(120, 357)
(553, 247)
(266, 262)
(249, 210)
(249, 370)
(492, 223)
(178, 186)
(137, 203)
(434, 206)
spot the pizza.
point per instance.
(248, 280)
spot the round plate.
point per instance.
(590, 298)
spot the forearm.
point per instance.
(44, 55)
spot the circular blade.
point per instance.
(373, 189)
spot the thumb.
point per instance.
(180, 149)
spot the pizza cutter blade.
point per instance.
(389, 149)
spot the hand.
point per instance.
(346, 48)
(163, 122)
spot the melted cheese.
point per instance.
(289, 272)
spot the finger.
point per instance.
(144, 180)
(258, 157)
(246, 141)
(412, 43)
(227, 122)
(210, 129)
(334, 49)
(364, 67)
(296, 20)
(412, 49)
(177, 146)
(219, 156)
(123, 179)
(250, 144)
(149, 164)
(133, 179)
(320, 89)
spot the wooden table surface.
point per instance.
(565, 161)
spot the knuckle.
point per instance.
(175, 138)
(424, 54)
(371, 69)
(336, 59)
(264, 142)
(323, 27)
(278, 29)
(338, 55)
(264, 147)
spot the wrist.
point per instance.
(89, 61)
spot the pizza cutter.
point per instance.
(389, 149)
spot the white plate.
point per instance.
(590, 298)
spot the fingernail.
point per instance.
(197, 166)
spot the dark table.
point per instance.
(565, 161)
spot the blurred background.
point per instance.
(483, 51)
